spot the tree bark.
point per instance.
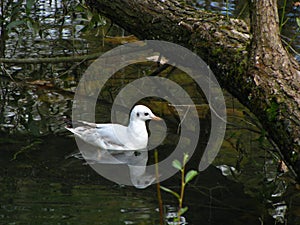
(276, 74)
(257, 70)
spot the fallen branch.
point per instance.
(53, 60)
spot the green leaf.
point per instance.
(298, 21)
(185, 158)
(190, 176)
(182, 210)
(29, 4)
(33, 26)
(170, 191)
(16, 9)
(14, 24)
(176, 164)
(80, 8)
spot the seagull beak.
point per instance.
(156, 118)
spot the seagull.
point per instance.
(118, 144)
(116, 137)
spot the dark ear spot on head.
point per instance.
(137, 153)
(137, 114)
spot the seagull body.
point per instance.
(116, 137)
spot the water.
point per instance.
(40, 184)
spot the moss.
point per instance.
(272, 111)
(217, 51)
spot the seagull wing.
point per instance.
(114, 136)
(105, 136)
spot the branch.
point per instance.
(51, 60)
(267, 82)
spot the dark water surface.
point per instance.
(41, 184)
(44, 186)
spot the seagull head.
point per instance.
(143, 113)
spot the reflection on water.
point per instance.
(38, 201)
(39, 185)
(42, 187)
(34, 109)
(55, 29)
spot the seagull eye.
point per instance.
(137, 114)
(146, 114)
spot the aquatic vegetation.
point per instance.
(185, 179)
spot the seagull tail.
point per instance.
(73, 131)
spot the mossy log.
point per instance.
(251, 63)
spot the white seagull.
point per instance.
(116, 136)
(120, 144)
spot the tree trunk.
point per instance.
(258, 71)
(276, 93)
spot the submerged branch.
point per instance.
(51, 60)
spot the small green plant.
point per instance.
(185, 179)
(283, 21)
(289, 44)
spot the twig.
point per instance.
(290, 47)
(8, 74)
(161, 215)
(159, 70)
